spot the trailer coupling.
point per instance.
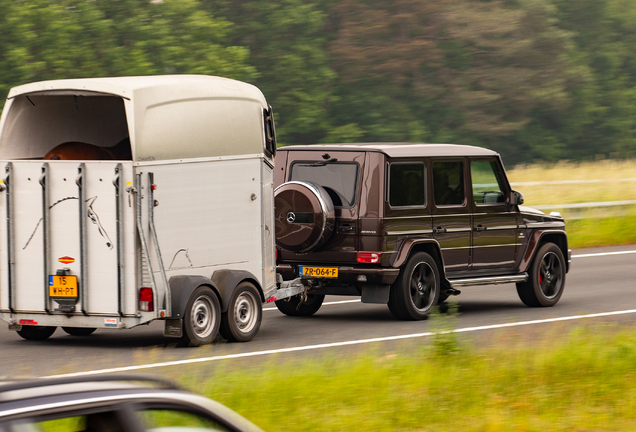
(286, 289)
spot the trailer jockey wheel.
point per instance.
(202, 317)
(243, 317)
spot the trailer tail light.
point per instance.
(146, 303)
(28, 322)
(368, 257)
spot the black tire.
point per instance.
(36, 332)
(307, 308)
(417, 289)
(202, 317)
(244, 314)
(79, 331)
(546, 278)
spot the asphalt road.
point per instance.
(601, 283)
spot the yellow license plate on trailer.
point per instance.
(325, 272)
(62, 286)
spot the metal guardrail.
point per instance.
(555, 182)
(584, 205)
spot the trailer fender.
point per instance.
(228, 280)
(182, 287)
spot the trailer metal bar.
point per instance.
(10, 235)
(153, 232)
(119, 221)
(142, 237)
(83, 215)
(46, 233)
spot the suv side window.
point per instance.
(487, 185)
(448, 183)
(406, 184)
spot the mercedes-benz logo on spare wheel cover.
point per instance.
(291, 217)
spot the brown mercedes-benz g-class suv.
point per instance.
(407, 224)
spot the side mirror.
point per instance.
(517, 198)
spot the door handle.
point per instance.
(439, 230)
(480, 228)
(346, 228)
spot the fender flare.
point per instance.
(533, 245)
(407, 246)
(182, 287)
(228, 280)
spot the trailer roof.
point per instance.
(171, 86)
(166, 117)
(400, 149)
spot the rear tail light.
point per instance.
(146, 303)
(368, 257)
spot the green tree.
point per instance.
(603, 118)
(47, 39)
(288, 46)
(475, 72)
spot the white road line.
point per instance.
(604, 254)
(337, 344)
(324, 304)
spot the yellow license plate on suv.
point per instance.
(325, 272)
(62, 286)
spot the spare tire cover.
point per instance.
(305, 216)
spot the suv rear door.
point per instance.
(451, 212)
(340, 173)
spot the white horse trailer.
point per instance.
(182, 231)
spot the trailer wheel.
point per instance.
(79, 331)
(202, 317)
(36, 332)
(244, 313)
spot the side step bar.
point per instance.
(456, 283)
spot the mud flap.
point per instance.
(173, 328)
(372, 293)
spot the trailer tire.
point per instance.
(36, 332)
(79, 331)
(293, 307)
(202, 317)
(244, 314)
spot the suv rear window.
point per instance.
(338, 178)
(448, 183)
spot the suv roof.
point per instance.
(400, 149)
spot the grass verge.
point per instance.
(607, 180)
(578, 380)
(595, 232)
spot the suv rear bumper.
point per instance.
(377, 275)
